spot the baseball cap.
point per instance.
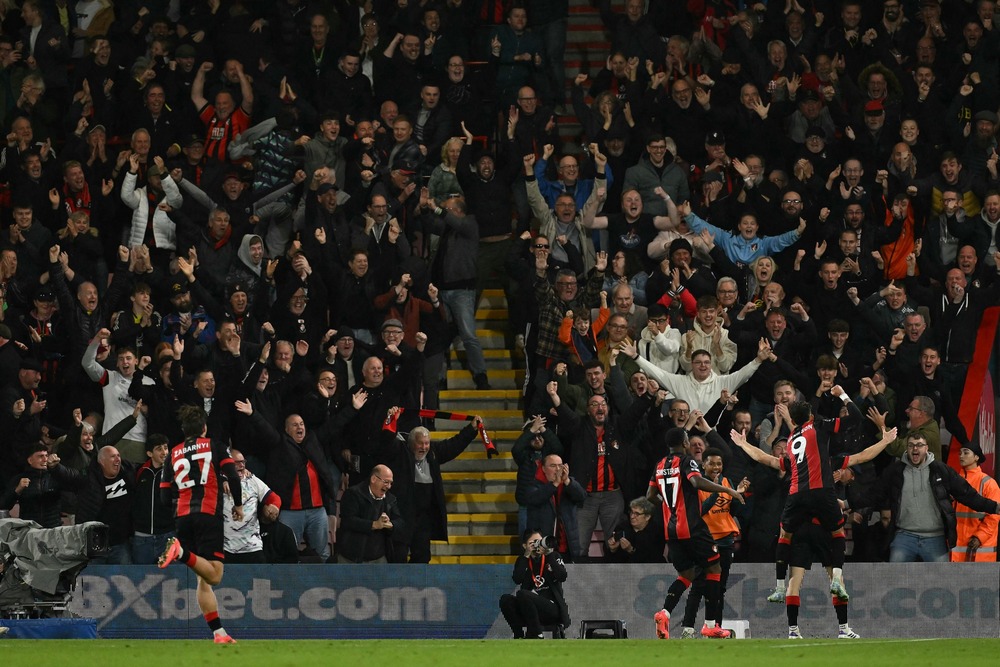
(986, 115)
(715, 138)
(816, 131)
(194, 139)
(45, 294)
(179, 286)
(712, 177)
(184, 51)
(874, 107)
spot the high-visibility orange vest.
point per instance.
(719, 518)
(978, 524)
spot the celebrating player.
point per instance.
(811, 496)
(196, 468)
(676, 483)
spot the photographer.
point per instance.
(539, 601)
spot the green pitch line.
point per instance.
(475, 653)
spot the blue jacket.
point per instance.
(552, 189)
(739, 249)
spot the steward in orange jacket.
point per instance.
(977, 531)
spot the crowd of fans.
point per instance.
(284, 212)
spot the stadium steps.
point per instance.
(480, 482)
(482, 523)
(496, 359)
(474, 503)
(478, 401)
(475, 545)
(499, 379)
(479, 491)
(587, 49)
(471, 560)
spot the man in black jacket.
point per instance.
(419, 486)
(369, 515)
(38, 488)
(108, 497)
(298, 472)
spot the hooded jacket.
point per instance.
(944, 484)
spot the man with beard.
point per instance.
(387, 246)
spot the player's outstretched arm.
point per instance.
(869, 453)
(704, 484)
(756, 453)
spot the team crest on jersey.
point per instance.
(754, 246)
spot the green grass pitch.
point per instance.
(473, 653)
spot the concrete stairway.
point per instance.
(482, 514)
(587, 48)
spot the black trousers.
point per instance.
(528, 610)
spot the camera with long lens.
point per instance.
(543, 545)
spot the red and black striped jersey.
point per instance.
(674, 480)
(220, 133)
(198, 467)
(808, 456)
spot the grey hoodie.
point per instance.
(918, 512)
(244, 252)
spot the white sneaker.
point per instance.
(776, 596)
(847, 633)
(793, 632)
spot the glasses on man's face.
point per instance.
(916, 445)
(392, 332)
(636, 513)
(385, 482)
(657, 147)
(791, 201)
(680, 411)
(727, 291)
(543, 246)
(913, 407)
(658, 320)
(240, 463)
(565, 284)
